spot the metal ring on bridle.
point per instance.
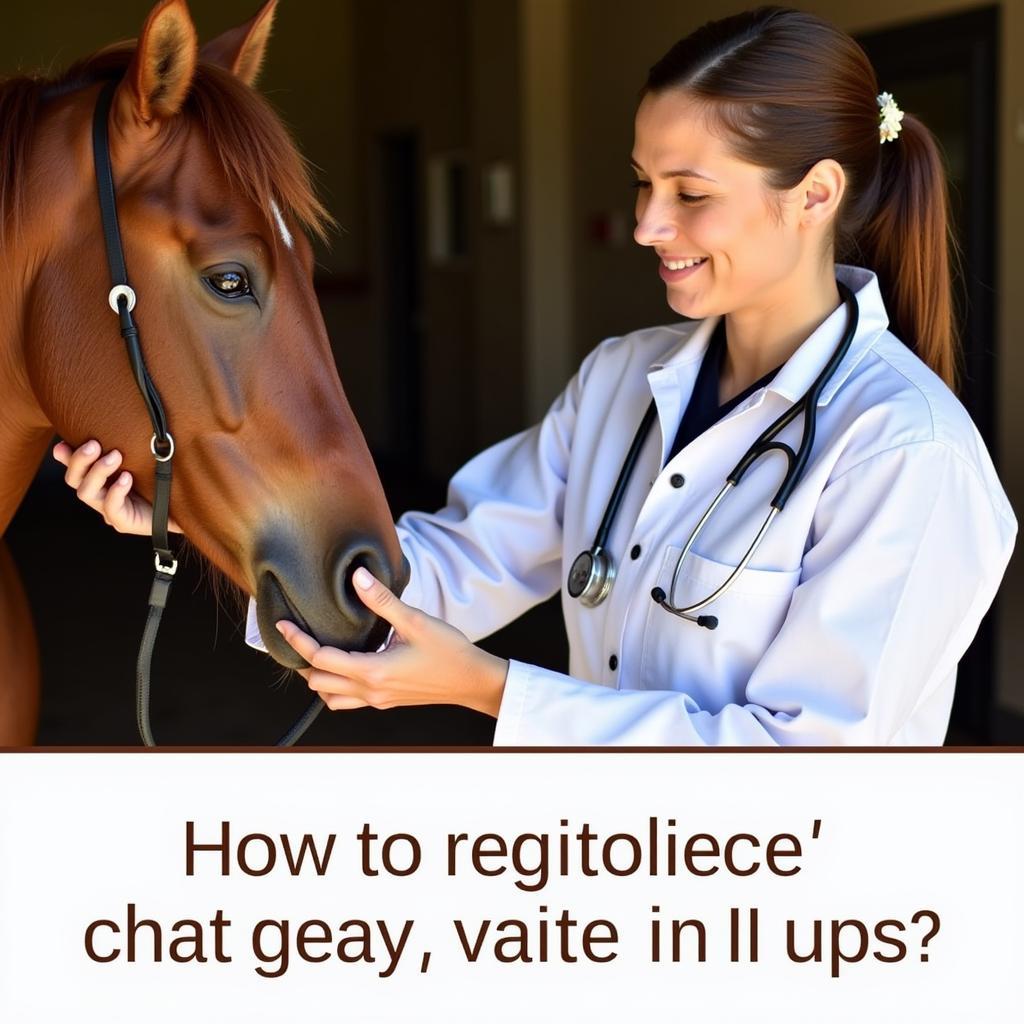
(152, 448)
(116, 292)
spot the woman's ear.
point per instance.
(822, 190)
(240, 50)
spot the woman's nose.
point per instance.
(654, 227)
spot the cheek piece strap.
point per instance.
(122, 301)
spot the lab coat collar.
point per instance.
(797, 375)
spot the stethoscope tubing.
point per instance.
(628, 464)
(796, 462)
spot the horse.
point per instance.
(274, 483)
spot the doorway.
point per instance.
(399, 217)
(946, 70)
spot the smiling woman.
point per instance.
(799, 220)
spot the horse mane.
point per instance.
(244, 133)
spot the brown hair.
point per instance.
(246, 136)
(789, 89)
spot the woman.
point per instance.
(765, 158)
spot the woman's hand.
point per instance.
(114, 499)
(427, 662)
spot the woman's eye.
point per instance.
(683, 196)
(229, 284)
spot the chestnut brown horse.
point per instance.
(273, 481)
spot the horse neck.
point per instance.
(25, 429)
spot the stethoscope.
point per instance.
(593, 571)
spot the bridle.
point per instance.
(122, 302)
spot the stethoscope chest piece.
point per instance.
(591, 576)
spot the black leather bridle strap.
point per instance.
(122, 301)
(121, 295)
(105, 184)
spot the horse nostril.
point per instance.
(358, 555)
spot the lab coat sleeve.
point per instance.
(495, 549)
(906, 554)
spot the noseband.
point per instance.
(122, 301)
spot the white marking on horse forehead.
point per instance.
(286, 235)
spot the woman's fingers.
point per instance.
(378, 598)
(327, 684)
(86, 472)
(434, 663)
(100, 486)
(78, 461)
(326, 674)
(324, 659)
(62, 452)
(336, 703)
(93, 488)
(117, 510)
(302, 642)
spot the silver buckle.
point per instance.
(167, 570)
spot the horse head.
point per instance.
(273, 481)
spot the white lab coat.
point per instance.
(848, 624)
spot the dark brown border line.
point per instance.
(508, 750)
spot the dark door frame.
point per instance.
(398, 157)
(967, 43)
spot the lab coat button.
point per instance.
(677, 479)
(634, 552)
(613, 663)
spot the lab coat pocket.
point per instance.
(713, 665)
(700, 577)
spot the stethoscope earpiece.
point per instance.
(707, 621)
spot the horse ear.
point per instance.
(160, 73)
(240, 50)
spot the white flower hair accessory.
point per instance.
(889, 124)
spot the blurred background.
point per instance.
(476, 154)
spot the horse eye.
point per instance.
(229, 284)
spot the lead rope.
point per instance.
(122, 302)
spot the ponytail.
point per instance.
(909, 241)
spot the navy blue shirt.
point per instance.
(703, 409)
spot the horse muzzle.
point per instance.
(321, 599)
